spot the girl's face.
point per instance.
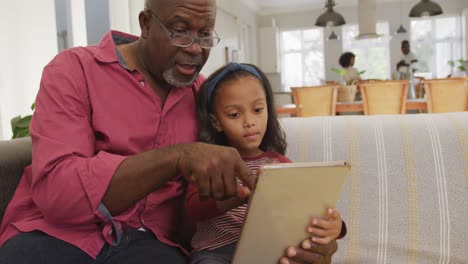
(240, 111)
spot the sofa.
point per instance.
(405, 199)
(14, 156)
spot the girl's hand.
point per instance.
(324, 231)
(243, 193)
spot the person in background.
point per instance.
(235, 108)
(347, 62)
(114, 143)
(408, 63)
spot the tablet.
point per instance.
(285, 198)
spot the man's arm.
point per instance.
(213, 169)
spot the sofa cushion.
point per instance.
(406, 197)
(15, 155)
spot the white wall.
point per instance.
(229, 39)
(29, 42)
(123, 15)
(232, 17)
(77, 31)
(385, 12)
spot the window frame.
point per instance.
(434, 69)
(303, 52)
(367, 44)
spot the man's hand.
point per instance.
(242, 197)
(310, 252)
(214, 169)
(401, 64)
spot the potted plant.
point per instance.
(347, 91)
(20, 125)
(460, 64)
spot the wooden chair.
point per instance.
(466, 90)
(384, 97)
(315, 100)
(418, 86)
(446, 95)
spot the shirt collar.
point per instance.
(107, 49)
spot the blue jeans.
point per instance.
(222, 255)
(135, 247)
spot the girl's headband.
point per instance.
(231, 67)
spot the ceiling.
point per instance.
(278, 5)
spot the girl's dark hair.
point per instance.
(345, 59)
(274, 138)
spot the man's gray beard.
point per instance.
(170, 79)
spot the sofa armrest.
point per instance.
(15, 155)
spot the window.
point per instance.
(436, 41)
(302, 58)
(372, 55)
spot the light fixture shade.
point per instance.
(333, 36)
(367, 20)
(330, 18)
(425, 8)
(401, 30)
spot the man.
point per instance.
(113, 135)
(408, 62)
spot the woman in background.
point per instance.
(347, 62)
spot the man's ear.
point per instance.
(215, 123)
(145, 20)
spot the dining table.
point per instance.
(414, 105)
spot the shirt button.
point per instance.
(142, 84)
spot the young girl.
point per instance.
(235, 108)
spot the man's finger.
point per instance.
(230, 183)
(204, 185)
(245, 176)
(217, 186)
(322, 240)
(298, 255)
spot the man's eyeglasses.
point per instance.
(184, 40)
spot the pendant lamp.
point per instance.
(425, 8)
(333, 36)
(330, 18)
(401, 29)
